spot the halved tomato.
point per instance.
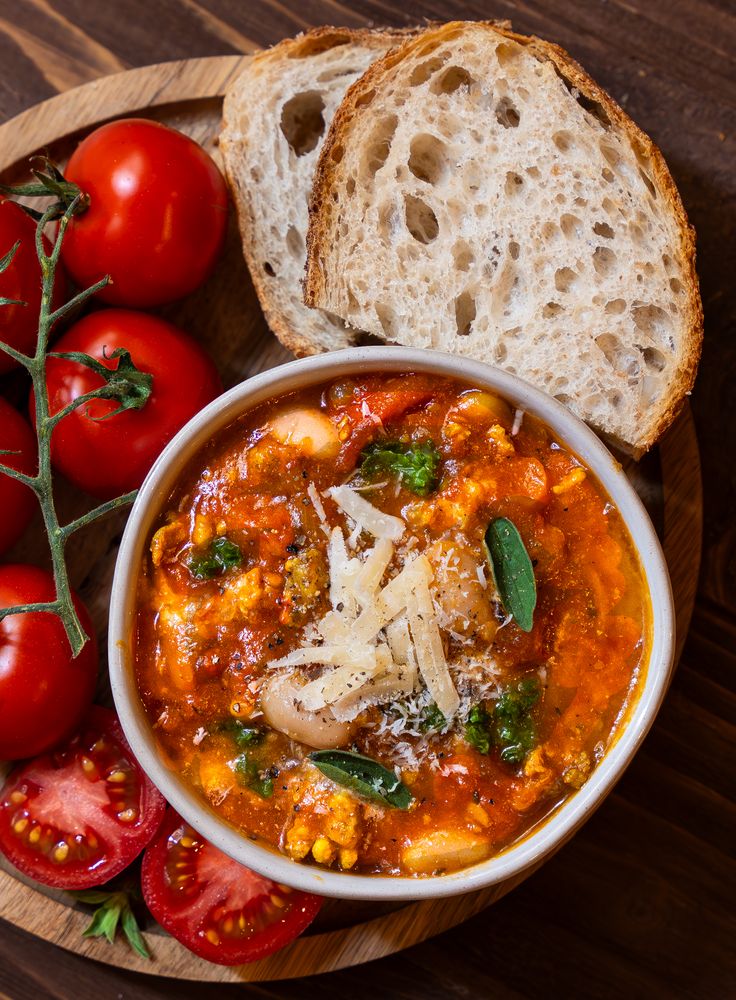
(218, 909)
(78, 816)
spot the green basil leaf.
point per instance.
(512, 571)
(363, 775)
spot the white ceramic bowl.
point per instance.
(161, 480)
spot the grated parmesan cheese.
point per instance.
(318, 508)
(365, 515)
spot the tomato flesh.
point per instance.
(218, 909)
(77, 817)
(369, 412)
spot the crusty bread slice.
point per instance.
(275, 118)
(479, 193)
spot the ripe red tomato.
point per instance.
(21, 282)
(77, 817)
(157, 216)
(217, 908)
(112, 456)
(17, 502)
(44, 692)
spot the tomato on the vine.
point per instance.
(17, 502)
(78, 816)
(157, 215)
(218, 909)
(44, 691)
(110, 455)
(21, 282)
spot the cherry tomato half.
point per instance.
(44, 692)
(17, 502)
(109, 457)
(217, 908)
(157, 216)
(77, 817)
(21, 281)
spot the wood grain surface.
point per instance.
(641, 902)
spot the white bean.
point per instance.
(444, 850)
(459, 591)
(309, 431)
(320, 729)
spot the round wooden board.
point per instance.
(225, 315)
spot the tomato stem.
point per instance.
(130, 387)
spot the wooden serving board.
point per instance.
(225, 315)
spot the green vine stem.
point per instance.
(125, 383)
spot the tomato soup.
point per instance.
(387, 624)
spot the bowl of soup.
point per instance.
(388, 624)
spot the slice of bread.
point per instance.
(479, 193)
(275, 118)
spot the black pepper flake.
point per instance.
(279, 640)
(534, 562)
(305, 474)
(292, 549)
(297, 808)
(476, 796)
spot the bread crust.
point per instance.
(322, 208)
(304, 45)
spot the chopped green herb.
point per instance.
(509, 727)
(514, 732)
(415, 464)
(477, 729)
(113, 908)
(512, 571)
(253, 777)
(363, 775)
(432, 718)
(243, 736)
(220, 556)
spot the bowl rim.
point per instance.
(520, 857)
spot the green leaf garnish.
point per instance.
(432, 718)
(252, 776)
(243, 736)
(509, 727)
(363, 775)
(220, 556)
(415, 464)
(477, 729)
(514, 732)
(512, 570)
(113, 909)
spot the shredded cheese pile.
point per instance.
(378, 643)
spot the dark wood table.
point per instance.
(641, 903)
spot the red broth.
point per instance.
(241, 574)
